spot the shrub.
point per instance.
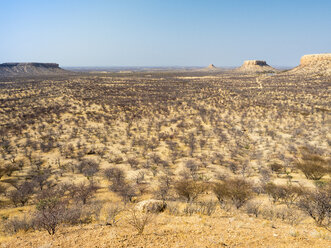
(22, 193)
(3, 189)
(82, 192)
(193, 168)
(288, 194)
(238, 191)
(88, 167)
(140, 220)
(17, 224)
(162, 191)
(127, 192)
(313, 166)
(277, 168)
(207, 208)
(116, 176)
(189, 189)
(133, 162)
(317, 204)
(112, 213)
(50, 213)
(253, 207)
(289, 215)
(40, 177)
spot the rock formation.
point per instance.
(30, 69)
(152, 206)
(255, 66)
(319, 64)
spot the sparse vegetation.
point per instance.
(76, 151)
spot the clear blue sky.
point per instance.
(163, 32)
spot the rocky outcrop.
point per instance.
(314, 64)
(151, 206)
(255, 66)
(30, 69)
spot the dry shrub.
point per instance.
(50, 213)
(204, 208)
(22, 193)
(173, 208)
(88, 167)
(189, 189)
(3, 189)
(17, 224)
(238, 191)
(82, 191)
(313, 166)
(112, 213)
(287, 194)
(253, 208)
(116, 176)
(289, 215)
(277, 168)
(317, 204)
(140, 220)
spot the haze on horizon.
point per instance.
(163, 33)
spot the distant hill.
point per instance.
(255, 66)
(30, 69)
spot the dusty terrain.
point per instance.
(162, 130)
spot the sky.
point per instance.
(163, 32)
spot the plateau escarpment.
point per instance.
(30, 69)
(314, 64)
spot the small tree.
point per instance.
(238, 191)
(116, 176)
(22, 193)
(50, 213)
(127, 192)
(82, 192)
(88, 167)
(41, 177)
(189, 189)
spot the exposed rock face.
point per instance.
(314, 64)
(22, 69)
(254, 62)
(255, 66)
(152, 206)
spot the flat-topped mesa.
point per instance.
(314, 64)
(255, 62)
(255, 66)
(315, 59)
(46, 65)
(30, 69)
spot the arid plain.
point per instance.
(194, 158)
